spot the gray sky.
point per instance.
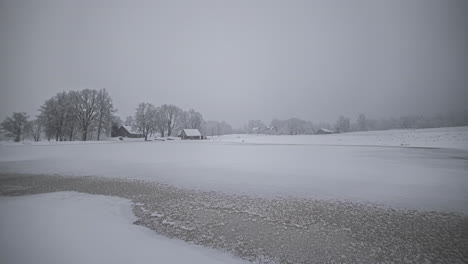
(240, 60)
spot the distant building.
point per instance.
(323, 131)
(127, 131)
(190, 134)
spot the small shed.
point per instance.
(127, 131)
(190, 134)
(323, 131)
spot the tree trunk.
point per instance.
(85, 134)
(99, 128)
(169, 129)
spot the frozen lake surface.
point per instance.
(419, 169)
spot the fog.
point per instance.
(240, 60)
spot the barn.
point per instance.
(127, 131)
(323, 131)
(190, 134)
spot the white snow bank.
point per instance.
(69, 227)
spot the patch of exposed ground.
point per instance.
(286, 230)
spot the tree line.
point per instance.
(67, 116)
(165, 119)
(296, 126)
(88, 114)
(168, 120)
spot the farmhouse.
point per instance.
(190, 134)
(127, 131)
(323, 131)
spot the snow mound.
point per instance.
(69, 227)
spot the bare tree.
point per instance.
(160, 121)
(116, 122)
(105, 109)
(85, 106)
(53, 115)
(70, 125)
(15, 125)
(195, 119)
(145, 119)
(171, 114)
(295, 126)
(36, 129)
(216, 128)
(343, 124)
(184, 120)
(47, 117)
(191, 119)
(129, 121)
(361, 123)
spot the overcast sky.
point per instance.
(241, 59)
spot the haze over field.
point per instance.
(240, 60)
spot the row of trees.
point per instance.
(291, 126)
(165, 119)
(404, 122)
(295, 126)
(89, 114)
(168, 120)
(66, 116)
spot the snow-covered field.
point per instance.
(354, 166)
(448, 137)
(69, 227)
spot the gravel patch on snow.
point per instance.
(275, 230)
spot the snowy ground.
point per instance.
(284, 199)
(447, 137)
(69, 227)
(363, 168)
(286, 230)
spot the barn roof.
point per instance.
(326, 130)
(131, 130)
(192, 132)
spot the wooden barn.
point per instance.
(323, 131)
(190, 134)
(127, 131)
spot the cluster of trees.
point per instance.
(169, 120)
(165, 119)
(291, 126)
(17, 126)
(66, 116)
(216, 128)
